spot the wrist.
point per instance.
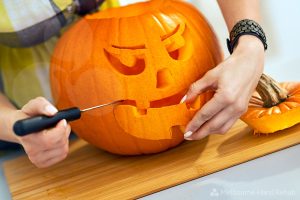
(250, 43)
(251, 50)
(12, 117)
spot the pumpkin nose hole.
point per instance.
(164, 78)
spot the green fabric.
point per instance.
(18, 69)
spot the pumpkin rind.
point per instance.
(146, 54)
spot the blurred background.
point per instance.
(281, 25)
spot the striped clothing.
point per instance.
(28, 33)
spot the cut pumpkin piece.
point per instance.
(274, 107)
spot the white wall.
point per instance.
(281, 23)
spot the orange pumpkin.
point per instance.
(274, 107)
(146, 54)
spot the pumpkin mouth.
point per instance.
(160, 118)
(164, 102)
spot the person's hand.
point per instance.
(49, 146)
(233, 81)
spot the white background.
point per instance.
(281, 23)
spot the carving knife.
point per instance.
(38, 123)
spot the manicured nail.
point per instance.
(51, 109)
(188, 134)
(64, 122)
(183, 99)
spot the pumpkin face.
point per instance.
(277, 117)
(146, 54)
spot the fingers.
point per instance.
(39, 105)
(216, 116)
(206, 82)
(209, 109)
(49, 146)
(219, 124)
(56, 135)
(233, 81)
(53, 156)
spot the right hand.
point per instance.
(47, 147)
(233, 81)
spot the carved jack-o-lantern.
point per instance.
(146, 54)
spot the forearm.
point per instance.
(7, 111)
(236, 10)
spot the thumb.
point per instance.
(206, 82)
(39, 105)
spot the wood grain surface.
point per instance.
(90, 173)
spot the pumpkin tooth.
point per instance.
(143, 104)
(142, 111)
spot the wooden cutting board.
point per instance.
(90, 173)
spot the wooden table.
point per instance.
(90, 173)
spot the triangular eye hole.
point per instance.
(137, 65)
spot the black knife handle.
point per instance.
(38, 123)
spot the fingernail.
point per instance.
(183, 99)
(51, 109)
(64, 123)
(188, 134)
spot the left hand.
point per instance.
(233, 81)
